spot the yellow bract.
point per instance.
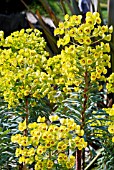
(45, 139)
(84, 51)
(110, 84)
(53, 118)
(111, 129)
(110, 111)
(22, 126)
(41, 119)
(24, 61)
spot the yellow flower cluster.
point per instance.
(72, 27)
(22, 64)
(110, 84)
(26, 71)
(84, 52)
(110, 111)
(48, 144)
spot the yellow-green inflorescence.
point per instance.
(85, 50)
(110, 83)
(49, 143)
(22, 64)
(25, 70)
(110, 111)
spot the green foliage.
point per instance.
(106, 159)
(59, 7)
(56, 6)
(8, 126)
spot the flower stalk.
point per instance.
(78, 159)
(80, 156)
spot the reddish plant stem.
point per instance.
(20, 166)
(83, 159)
(85, 100)
(78, 159)
(80, 156)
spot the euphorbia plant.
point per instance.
(79, 71)
(48, 143)
(22, 64)
(72, 80)
(24, 80)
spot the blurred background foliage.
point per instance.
(58, 10)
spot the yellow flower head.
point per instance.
(63, 121)
(96, 14)
(24, 141)
(66, 17)
(16, 138)
(76, 19)
(87, 30)
(98, 20)
(72, 158)
(41, 119)
(18, 152)
(110, 29)
(33, 125)
(104, 28)
(89, 61)
(69, 165)
(83, 61)
(53, 118)
(93, 76)
(89, 20)
(113, 139)
(40, 150)
(89, 14)
(22, 159)
(50, 164)
(22, 126)
(87, 40)
(111, 129)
